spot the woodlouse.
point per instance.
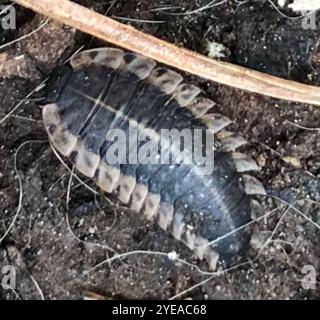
(108, 88)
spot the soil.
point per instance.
(54, 242)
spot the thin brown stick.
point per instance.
(127, 37)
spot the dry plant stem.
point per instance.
(127, 37)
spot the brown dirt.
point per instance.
(41, 245)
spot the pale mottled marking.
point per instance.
(165, 215)
(139, 65)
(178, 226)
(165, 79)
(108, 57)
(212, 258)
(243, 163)
(138, 197)
(85, 161)
(190, 239)
(230, 141)
(126, 185)
(252, 185)
(151, 205)
(215, 121)
(201, 247)
(107, 177)
(61, 138)
(200, 106)
(186, 93)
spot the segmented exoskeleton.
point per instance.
(108, 88)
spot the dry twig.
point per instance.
(127, 37)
